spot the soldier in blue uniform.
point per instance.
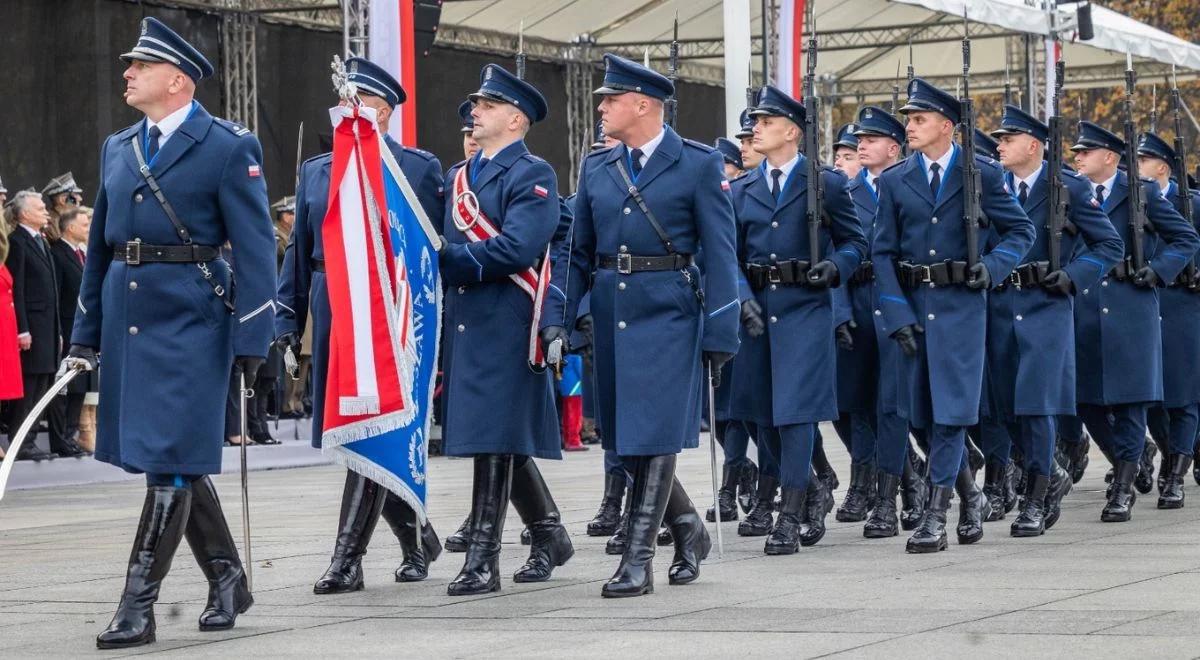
(642, 211)
(928, 297)
(845, 151)
(785, 381)
(1173, 425)
(156, 303)
(489, 321)
(867, 360)
(303, 297)
(1030, 339)
(1118, 336)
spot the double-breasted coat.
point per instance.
(650, 327)
(942, 383)
(166, 340)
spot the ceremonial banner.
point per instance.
(385, 302)
(788, 69)
(392, 40)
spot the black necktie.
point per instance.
(479, 167)
(636, 157)
(1023, 194)
(152, 143)
(775, 174)
(1100, 195)
(41, 243)
(936, 181)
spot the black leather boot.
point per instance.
(1078, 453)
(457, 542)
(818, 502)
(930, 535)
(1172, 495)
(726, 496)
(164, 517)
(490, 489)
(665, 537)
(550, 545)
(995, 476)
(418, 554)
(785, 537)
(973, 508)
(824, 468)
(609, 515)
(1164, 469)
(912, 496)
(362, 501)
(1196, 466)
(759, 521)
(883, 523)
(1032, 519)
(212, 544)
(1120, 501)
(857, 503)
(653, 481)
(620, 538)
(748, 485)
(692, 543)
(1060, 485)
(1144, 481)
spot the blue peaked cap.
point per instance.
(159, 43)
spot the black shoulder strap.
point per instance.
(637, 197)
(182, 231)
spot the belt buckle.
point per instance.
(133, 252)
(927, 278)
(774, 275)
(624, 263)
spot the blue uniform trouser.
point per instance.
(1119, 429)
(768, 458)
(155, 479)
(1178, 426)
(996, 440)
(736, 441)
(1035, 436)
(792, 447)
(613, 463)
(857, 432)
(1070, 429)
(946, 453)
(891, 443)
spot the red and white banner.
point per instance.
(367, 388)
(789, 67)
(392, 43)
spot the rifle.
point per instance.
(1179, 167)
(1137, 198)
(1057, 192)
(1154, 108)
(972, 211)
(896, 89)
(815, 191)
(672, 106)
(1007, 83)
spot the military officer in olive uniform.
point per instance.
(157, 303)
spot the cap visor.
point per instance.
(1007, 131)
(144, 57)
(610, 91)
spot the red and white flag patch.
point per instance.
(541, 192)
(725, 186)
(254, 171)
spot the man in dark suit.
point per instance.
(35, 300)
(68, 255)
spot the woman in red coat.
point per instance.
(10, 356)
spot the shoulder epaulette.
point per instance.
(698, 145)
(233, 127)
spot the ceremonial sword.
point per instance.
(245, 396)
(14, 447)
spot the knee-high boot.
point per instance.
(362, 500)
(550, 545)
(653, 481)
(212, 544)
(480, 573)
(418, 553)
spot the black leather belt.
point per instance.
(947, 272)
(1026, 275)
(631, 263)
(135, 253)
(790, 272)
(318, 265)
(864, 273)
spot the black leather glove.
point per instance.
(584, 324)
(289, 340)
(845, 340)
(85, 353)
(752, 318)
(1059, 283)
(715, 360)
(551, 333)
(824, 275)
(1146, 277)
(907, 338)
(249, 364)
(978, 277)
